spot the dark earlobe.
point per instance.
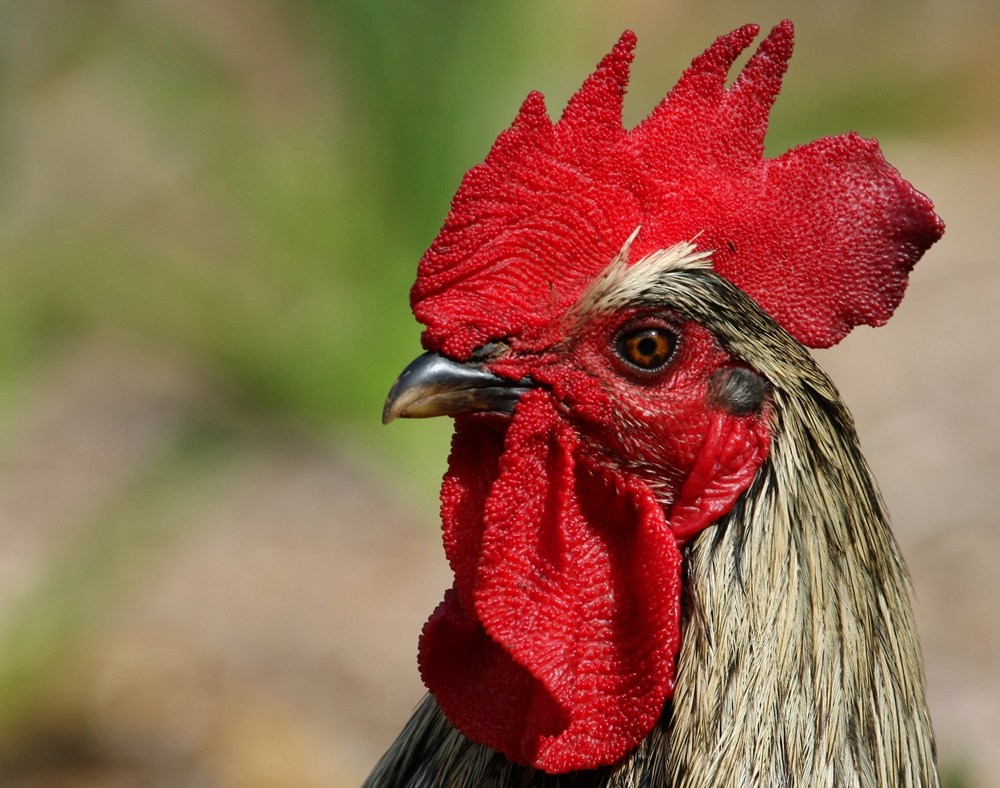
(738, 390)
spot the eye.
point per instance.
(647, 349)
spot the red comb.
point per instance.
(823, 237)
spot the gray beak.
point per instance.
(433, 385)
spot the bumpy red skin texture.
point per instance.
(557, 644)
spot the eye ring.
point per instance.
(644, 350)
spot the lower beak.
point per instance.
(433, 385)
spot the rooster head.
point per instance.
(598, 427)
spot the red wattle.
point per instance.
(567, 655)
(733, 450)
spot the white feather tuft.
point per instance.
(620, 283)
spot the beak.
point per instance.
(433, 385)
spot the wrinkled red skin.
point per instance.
(557, 644)
(563, 525)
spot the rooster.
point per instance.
(672, 565)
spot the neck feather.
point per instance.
(800, 664)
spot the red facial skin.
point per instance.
(557, 644)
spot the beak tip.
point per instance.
(395, 405)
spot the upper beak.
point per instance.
(433, 385)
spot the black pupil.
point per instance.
(647, 347)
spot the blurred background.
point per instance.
(214, 561)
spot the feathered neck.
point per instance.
(800, 663)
